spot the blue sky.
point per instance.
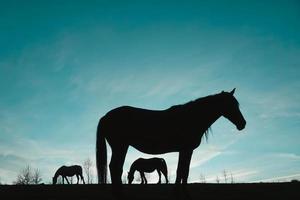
(64, 64)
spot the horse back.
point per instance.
(70, 170)
(149, 165)
(134, 123)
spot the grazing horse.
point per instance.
(177, 129)
(65, 171)
(148, 165)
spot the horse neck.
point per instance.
(209, 111)
(212, 116)
(56, 174)
(132, 169)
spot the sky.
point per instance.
(65, 64)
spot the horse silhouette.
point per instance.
(69, 171)
(177, 129)
(148, 165)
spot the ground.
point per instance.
(153, 191)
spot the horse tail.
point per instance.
(165, 169)
(101, 155)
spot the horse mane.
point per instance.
(201, 102)
(196, 103)
(193, 102)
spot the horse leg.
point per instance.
(186, 166)
(159, 176)
(82, 178)
(183, 166)
(142, 177)
(165, 173)
(67, 179)
(182, 174)
(77, 178)
(116, 164)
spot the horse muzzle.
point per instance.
(241, 126)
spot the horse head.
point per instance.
(54, 180)
(231, 110)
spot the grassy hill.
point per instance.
(289, 191)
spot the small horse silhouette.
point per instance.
(148, 165)
(69, 171)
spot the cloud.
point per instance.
(279, 103)
(237, 175)
(201, 157)
(280, 178)
(289, 156)
(243, 173)
(10, 166)
(265, 166)
(38, 154)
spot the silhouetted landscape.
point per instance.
(140, 100)
(288, 190)
(182, 116)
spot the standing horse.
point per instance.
(65, 171)
(148, 165)
(177, 129)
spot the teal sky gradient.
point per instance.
(64, 64)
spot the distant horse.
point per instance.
(69, 171)
(177, 129)
(148, 165)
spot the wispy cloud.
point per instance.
(290, 156)
(280, 178)
(281, 103)
(232, 175)
(38, 154)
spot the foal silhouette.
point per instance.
(65, 171)
(177, 129)
(148, 165)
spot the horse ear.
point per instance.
(232, 92)
(222, 91)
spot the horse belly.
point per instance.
(148, 170)
(155, 146)
(147, 167)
